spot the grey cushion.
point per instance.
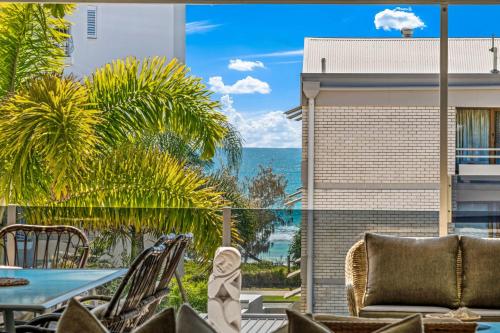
(189, 321)
(77, 319)
(412, 271)
(163, 322)
(398, 311)
(299, 323)
(412, 324)
(481, 272)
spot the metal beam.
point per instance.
(443, 123)
(309, 2)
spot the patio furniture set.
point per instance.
(52, 260)
(393, 284)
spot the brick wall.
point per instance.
(368, 161)
(336, 231)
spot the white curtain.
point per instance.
(473, 131)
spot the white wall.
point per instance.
(139, 30)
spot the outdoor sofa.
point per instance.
(392, 277)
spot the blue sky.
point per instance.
(250, 54)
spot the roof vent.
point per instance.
(407, 32)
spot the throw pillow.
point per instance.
(78, 319)
(481, 272)
(299, 323)
(189, 321)
(411, 271)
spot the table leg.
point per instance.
(10, 324)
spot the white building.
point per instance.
(372, 159)
(104, 32)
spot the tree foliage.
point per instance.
(93, 151)
(31, 36)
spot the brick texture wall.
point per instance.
(376, 169)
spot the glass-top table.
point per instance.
(488, 328)
(48, 287)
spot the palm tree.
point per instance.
(90, 145)
(31, 36)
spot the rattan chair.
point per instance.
(139, 293)
(49, 247)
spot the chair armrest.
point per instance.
(33, 329)
(39, 324)
(44, 319)
(101, 298)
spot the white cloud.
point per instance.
(271, 129)
(248, 85)
(244, 66)
(287, 53)
(397, 19)
(198, 27)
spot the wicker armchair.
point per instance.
(35, 246)
(356, 272)
(139, 293)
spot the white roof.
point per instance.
(396, 55)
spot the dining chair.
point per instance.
(139, 293)
(47, 247)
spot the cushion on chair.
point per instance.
(412, 271)
(299, 323)
(188, 321)
(411, 324)
(77, 319)
(163, 322)
(481, 272)
(398, 311)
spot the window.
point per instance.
(91, 22)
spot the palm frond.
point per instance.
(176, 147)
(232, 146)
(47, 130)
(30, 42)
(156, 96)
(145, 189)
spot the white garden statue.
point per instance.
(224, 287)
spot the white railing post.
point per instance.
(226, 226)
(10, 246)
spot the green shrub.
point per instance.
(267, 275)
(195, 283)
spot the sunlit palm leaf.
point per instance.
(156, 96)
(47, 131)
(148, 183)
(30, 39)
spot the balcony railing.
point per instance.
(478, 161)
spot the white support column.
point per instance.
(10, 246)
(226, 226)
(311, 90)
(444, 206)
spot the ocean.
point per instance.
(285, 161)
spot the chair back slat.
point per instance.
(44, 247)
(145, 284)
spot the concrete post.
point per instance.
(226, 227)
(10, 246)
(311, 90)
(444, 207)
